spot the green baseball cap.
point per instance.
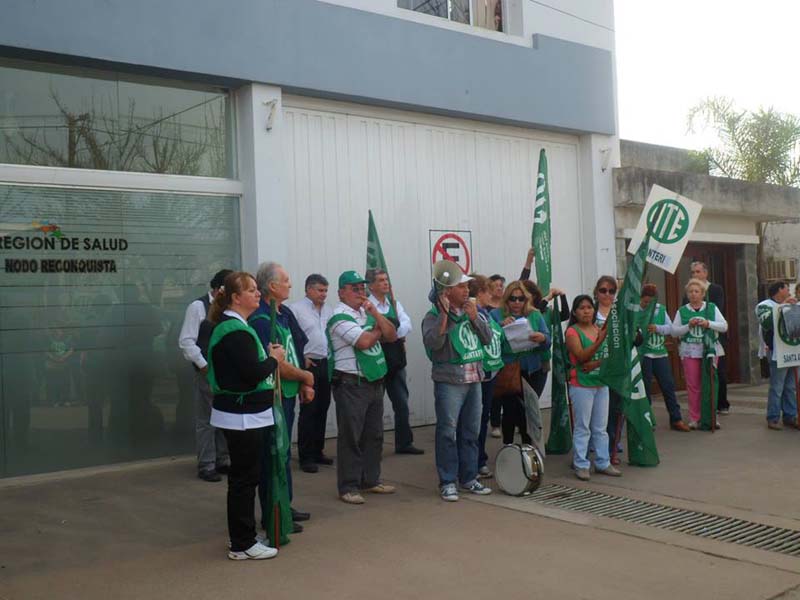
(350, 277)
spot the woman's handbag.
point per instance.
(508, 381)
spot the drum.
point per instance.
(518, 469)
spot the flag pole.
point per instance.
(277, 400)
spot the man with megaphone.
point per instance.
(454, 334)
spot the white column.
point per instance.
(260, 144)
(599, 154)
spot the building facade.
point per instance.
(146, 145)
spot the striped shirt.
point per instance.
(344, 336)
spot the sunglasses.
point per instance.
(603, 290)
(516, 298)
(359, 287)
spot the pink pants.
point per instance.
(693, 373)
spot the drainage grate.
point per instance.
(723, 529)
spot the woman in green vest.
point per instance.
(241, 377)
(518, 304)
(690, 324)
(655, 358)
(588, 394)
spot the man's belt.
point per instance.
(343, 377)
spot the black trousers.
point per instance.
(514, 410)
(614, 418)
(314, 416)
(246, 449)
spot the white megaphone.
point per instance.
(446, 274)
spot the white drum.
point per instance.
(518, 469)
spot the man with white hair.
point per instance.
(275, 285)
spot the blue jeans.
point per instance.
(397, 390)
(782, 396)
(487, 392)
(663, 372)
(458, 421)
(590, 410)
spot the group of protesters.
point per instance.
(257, 357)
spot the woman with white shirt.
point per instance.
(241, 377)
(690, 324)
(655, 358)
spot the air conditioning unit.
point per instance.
(781, 269)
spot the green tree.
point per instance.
(761, 146)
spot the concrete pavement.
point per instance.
(154, 531)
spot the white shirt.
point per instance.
(344, 336)
(187, 340)
(601, 318)
(719, 324)
(313, 322)
(763, 349)
(383, 307)
(236, 421)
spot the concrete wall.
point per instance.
(757, 201)
(659, 158)
(323, 49)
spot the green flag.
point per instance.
(710, 380)
(637, 409)
(540, 235)
(559, 441)
(375, 258)
(642, 449)
(615, 371)
(277, 502)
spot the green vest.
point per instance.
(465, 341)
(371, 362)
(493, 352)
(592, 378)
(655, 343)
(695, 334)
(220, 331)
(289, 388)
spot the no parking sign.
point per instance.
(453, 245)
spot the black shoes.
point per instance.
(297, 528)
(309, 467)
(323, 460)
(410, 450)
(223, 469)
(211, 476)
(298, 515)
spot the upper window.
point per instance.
(96, 121)
(481, 13)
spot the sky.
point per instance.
(671, 54)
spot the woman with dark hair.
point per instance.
(588, 394)
(241, 377)
(655, 358)
(518, 304)
(492, 363)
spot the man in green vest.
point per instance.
(358, 367)
(454, 334)
(274, 284)
(782, 396)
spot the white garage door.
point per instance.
(417, 173)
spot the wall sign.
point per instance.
(453, 245)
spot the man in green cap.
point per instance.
(358, 368)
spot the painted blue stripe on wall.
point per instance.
(331, 51)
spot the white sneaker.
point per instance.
(476, 487)
(496, 433)
(692, 424)
(485, 472)
(261, 538)
(257, 551)
(449, 492)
